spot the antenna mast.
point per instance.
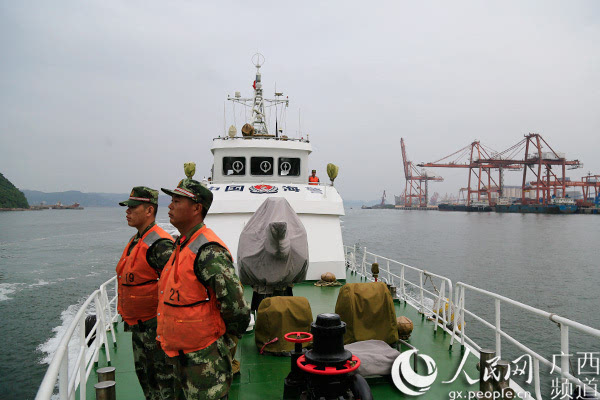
(259, 120)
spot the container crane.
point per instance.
(416, 181)
(539, 161)
(481, 183)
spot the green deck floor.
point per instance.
(262, 376)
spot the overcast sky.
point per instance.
(100, 96)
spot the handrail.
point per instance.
(269, 137)
(563, 323)
(441, 300)
(69, 380)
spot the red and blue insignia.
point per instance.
(263, 189)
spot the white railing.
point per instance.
(69, 379)
(359, 261)
(442, 308)
(563, 323)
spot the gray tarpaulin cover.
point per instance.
(273, 247)
(376, 356)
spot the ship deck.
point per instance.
(262, 376)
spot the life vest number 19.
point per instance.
(129, 277)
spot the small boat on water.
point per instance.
(258, 172)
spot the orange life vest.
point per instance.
(188, 312)
(138, 281)
(313, 180)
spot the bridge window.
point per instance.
(289, 166)
(261, 165)
(234, 166)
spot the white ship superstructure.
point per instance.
(247, 169)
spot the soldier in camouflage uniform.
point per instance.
(137, 272)
(201, 371)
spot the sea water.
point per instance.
(51, 260)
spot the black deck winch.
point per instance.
(328, 347)
(328, 371)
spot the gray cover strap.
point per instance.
(151, 238)
(197, 243)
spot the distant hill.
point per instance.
(10, 196)
(112, 199)
(85, 199)
(360, 203)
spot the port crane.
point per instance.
(481, 183)
(416, 181)
(539, 159)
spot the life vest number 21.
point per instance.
(173, 292)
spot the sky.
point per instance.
(100, 96)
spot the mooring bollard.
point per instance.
(106, 390)
(106, 374)
(485, 355)
(502, 386)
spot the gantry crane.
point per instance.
(547, 183)
(471, 157)
(416, 181)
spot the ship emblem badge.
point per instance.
(263, 189)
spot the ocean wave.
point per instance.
(41, 282)
(8, 288)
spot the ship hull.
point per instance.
(536, 208)
(452, 207)
(480, 208)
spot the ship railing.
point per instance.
(563, 323)
(434, 300)
(67, 379)
(266, 137)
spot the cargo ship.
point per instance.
(60, 206)
(557, 205)
(452, 207)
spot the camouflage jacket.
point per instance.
(158, 254)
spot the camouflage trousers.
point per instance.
(153, 370)
(204, 374)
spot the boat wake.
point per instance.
(48, 348)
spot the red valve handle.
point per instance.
(294, 337)
(312, 369)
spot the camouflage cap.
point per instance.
(193, 190)
(141, 195)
